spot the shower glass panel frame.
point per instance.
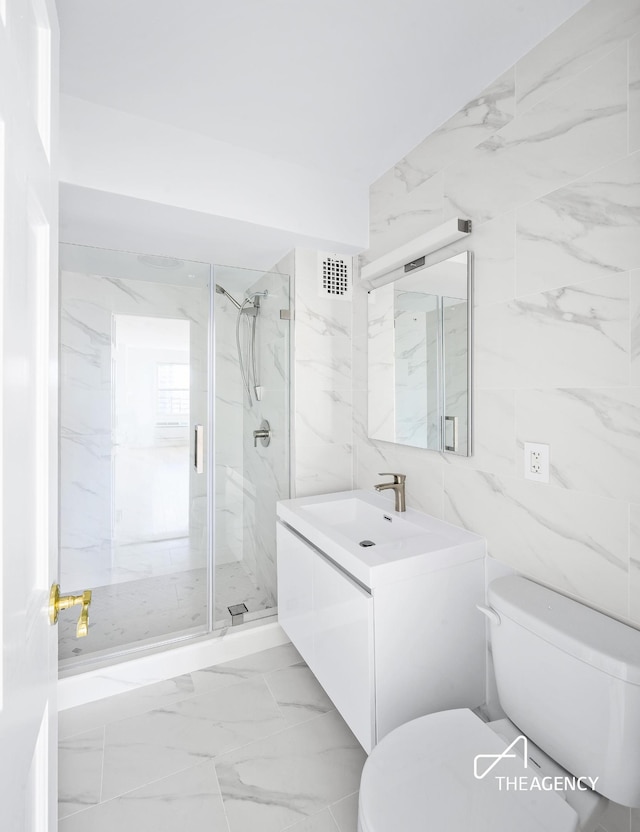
(124, 317)
(103, 444)
(250, 476)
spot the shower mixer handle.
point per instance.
(263, 433)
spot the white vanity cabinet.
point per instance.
(329, 618)
(387, 644)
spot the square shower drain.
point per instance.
(237, 611)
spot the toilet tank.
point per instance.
(569, 678)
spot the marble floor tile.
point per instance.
(345, 812)
(248, 667)
(298, 693)
(188, 800)
(151, 697)
(161, 767)
(144, 748)
(159, 606)
(278, 781)
(322, 822)
(79, 771)
(124, 705)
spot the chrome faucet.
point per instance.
(398, 488)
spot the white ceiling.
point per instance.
(347, 86)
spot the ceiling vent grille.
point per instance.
(334, 277)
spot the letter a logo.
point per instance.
(495, 758)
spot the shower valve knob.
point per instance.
(263, 434)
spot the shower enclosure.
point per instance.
(167, 508)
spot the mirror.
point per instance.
(419, 339)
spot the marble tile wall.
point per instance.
(546, 163)
(229, 479)
(323, 426)
(266, 471)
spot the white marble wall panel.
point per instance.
(634, 93)
(495, 260)
(634, 564)
(574, 47)
(266, 470)
(581, 127)
(229, 451)
(577, 336)
(414, 213)
(634, 311)
(323, 460)
(594, 435)
(555, 196)
(477, 120)
(583, 231)
(574, 542)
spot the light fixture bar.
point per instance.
(445, 234)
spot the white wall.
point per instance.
(114, 152)
(323, 423)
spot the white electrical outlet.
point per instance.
(536, 462)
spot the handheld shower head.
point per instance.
(222, 291)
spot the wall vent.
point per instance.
(334, 276)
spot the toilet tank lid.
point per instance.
(580, 631)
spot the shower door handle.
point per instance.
(454, 444)
(198, 453)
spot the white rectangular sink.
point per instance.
(361, 533)
(359, 521)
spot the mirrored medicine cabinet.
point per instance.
(419, 349)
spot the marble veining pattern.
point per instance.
(250, 744)
(634, 93)
(554, 194)
(323, 405)
(583, 231)
(576, 130)
(166, 604)
(579, 43)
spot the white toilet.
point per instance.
(568, 678)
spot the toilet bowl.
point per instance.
(421, 777)
(568, 678)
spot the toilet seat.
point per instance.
(421, 777)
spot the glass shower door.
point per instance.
(134, 473)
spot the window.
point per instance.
(173, 390)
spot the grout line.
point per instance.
(104, 749)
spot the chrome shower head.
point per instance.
(222, 291)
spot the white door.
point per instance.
(28, 420)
